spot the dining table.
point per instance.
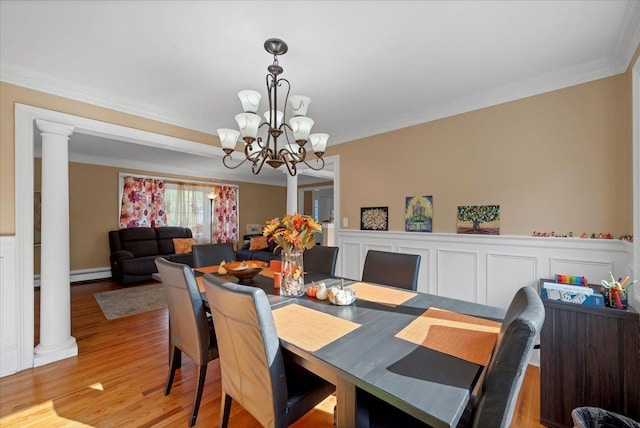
(422, 353)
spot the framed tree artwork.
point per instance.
(479, 219)
(374, 218)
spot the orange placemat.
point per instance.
(384, 295)
(463, 336)
(309, 329)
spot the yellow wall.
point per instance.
(93, 209)
(559, 161)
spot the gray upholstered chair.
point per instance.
(254, 371)
(189, 329)
(212, 254)
(503, 378)
(321, 259)
(395, 269)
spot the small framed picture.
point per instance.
(374, 218)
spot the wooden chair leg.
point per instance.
(225, 410)
(202, 374)
(175, 360)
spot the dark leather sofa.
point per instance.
(265, 255)
(134, 250)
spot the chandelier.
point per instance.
(298, 128)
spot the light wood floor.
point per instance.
(118, 379)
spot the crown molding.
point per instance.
(19, 76)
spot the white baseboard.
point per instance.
(83, 275)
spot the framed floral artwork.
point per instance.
(374, 218)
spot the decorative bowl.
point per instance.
(341, 296)
(246, 270)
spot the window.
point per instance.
(153, 202)
(187, 205)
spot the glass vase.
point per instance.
(292, 283)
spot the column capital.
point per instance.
(47, 127)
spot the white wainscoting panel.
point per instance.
(10, 302)
(425, 280)
(349, 261)
(593, 270)
(506, 273)
(458, 274)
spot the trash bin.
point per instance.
(594, 417)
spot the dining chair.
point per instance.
(255, 371)
(504, 374)
(212, 254)
(395, 269)
(321, 259)
(190, 331)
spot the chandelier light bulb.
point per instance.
(228, 138)
(318, 142)
(301, 127)
(279, 117)
(299, 104)
(250, 100)
(248, 124)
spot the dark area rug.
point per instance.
(131, 301)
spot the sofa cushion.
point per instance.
(258, 243)
(140, 241)
(183, 245)
(139, 265)
(165, 237)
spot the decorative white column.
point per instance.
(292, 194)
(56, 342)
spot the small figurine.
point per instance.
(584, 235)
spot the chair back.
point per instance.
(212, 254)
(251, 361)
(321, 259)
(395, 269)
(187, 315)
(505, 372)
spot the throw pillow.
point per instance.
(183, 245)
(258, 243)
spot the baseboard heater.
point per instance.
(82, 275)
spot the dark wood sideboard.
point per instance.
(589, 356)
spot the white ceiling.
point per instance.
(368, 66)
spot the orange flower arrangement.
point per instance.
(293, 232)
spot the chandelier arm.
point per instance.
(286, 98)
(257, 170)
(312, 167)
(291, 166)
(228, 157)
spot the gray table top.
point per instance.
(432, 386)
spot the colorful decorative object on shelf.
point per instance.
(570, 279)
(615, 292)
(584, 235)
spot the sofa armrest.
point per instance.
(116, 256)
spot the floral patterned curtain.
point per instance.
(225, 207)
(142, 203)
